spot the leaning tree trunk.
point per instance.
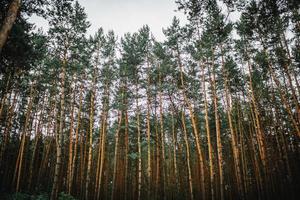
(9, 21)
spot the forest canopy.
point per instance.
(210, 112)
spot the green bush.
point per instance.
(24, 196)
(64, 196)
(20, 196)
(40, 197)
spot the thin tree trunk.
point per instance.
(126, 153)
(76, 142)
(234, 139)
(187, 147)
(90, 144)
(115, 166)
(218, 131)
(3, 99)
(282, 94)
(103, 142)
(149, 170)
(69, 171)
(195, 129)
(210, 150)
(174, 142)
(139, 144)
(35, 147)
(162, 135)
(8, 125)
(23, 140)
(60, 135)
(158, 160)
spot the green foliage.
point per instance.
(137, 68)
(64, 196)
(133, 155)
(20, 196)
(26, 196)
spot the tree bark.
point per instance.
(187, 147)
(90, 153)
(210, 149)
(9, 21)
(60, 136)
(23, 140)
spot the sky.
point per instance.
(124, 16)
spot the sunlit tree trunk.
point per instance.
(234, 140)
(69, 171)
(126, 172)
(162, 135)
(207, 129)
(35, 146)
(187, 147)
(218, 129)
(23, 140)
(74, 158)
(157, 162)
(174, 143)
(149, 170)
(139, 144)
(90, 144)
(283, 96)
(115, 164)
(103, 141)
(60, 135)
(194, 125)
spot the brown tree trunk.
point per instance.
(23, 140)
(103, 141)
(218, 131)
(35, 147)
(69, 171)
(76, 142)
(90, 144)
(234, 139)
(174, 143)
(115, 165)
(194, 125)
(187, 147)
(149, 170)
(60, 135)
(9, 21)
(8, 125)
(139, 144)
(210, 149)
(162, 135)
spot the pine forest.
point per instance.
(211, 112)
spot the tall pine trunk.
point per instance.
(60, 135)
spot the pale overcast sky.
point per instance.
(127, 15)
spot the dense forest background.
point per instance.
(211, 112)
